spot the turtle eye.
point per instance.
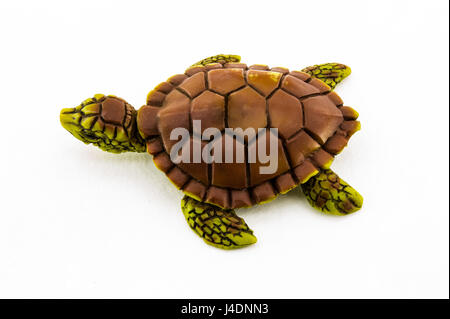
(89, 135)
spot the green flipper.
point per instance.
(218, 227)
(220, 58)
(327, 192)
(330, 73)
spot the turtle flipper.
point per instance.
(330, 194)
(330, 73)
(220, 58)
(218, 227)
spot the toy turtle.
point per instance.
(312, 123)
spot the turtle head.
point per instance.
(107, 122)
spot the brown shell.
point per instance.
(313, 126)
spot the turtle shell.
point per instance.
(313, 126)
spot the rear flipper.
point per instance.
(330, 73)
(220, 58)
(329, 193)
(218, 227)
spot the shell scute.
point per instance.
(321, 121)
(263, 81)
(298, 87)
(280, 104)
(246, 109)
(209, 108)
(224, 173)
(194, 85)
(223, 81)
(259, 175)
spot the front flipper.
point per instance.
(327, 192)
(220, 58)
(218, 227)
(330, 73)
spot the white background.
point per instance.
(79, 222)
